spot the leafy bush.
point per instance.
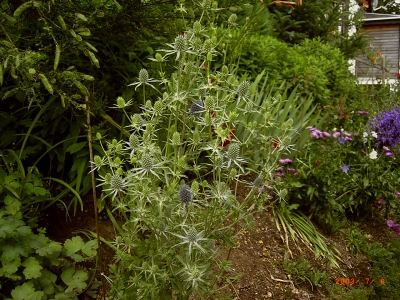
(175, 180)
(325, 75)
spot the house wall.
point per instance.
(383, 59)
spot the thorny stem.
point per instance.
(103, 283)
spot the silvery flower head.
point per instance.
(185, 194)
(197, 108)
(233, 156)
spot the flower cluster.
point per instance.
(341, 136)
(387, 126)
(392, 225)
(281, 170)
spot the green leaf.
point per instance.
(75, 244)
(13, 205)
(74, 279)
(26, 292)
(32, 268)
(90, 248)
(76, 147)
(48, 249)
(11, 266)
(47, 282)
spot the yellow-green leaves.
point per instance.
(8, 18)
(81, 88)
(20, 10)
(57, 57)
(46, 83)
(81, 17)
(94, 59)
(62, 23)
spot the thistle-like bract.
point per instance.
(232, 19)
(147, 162)
(196, 137)
(224, 70)
(185, 194)
(197, 108)
(243, 89)
(158, 107)
(209, 103)
(233, 151)
(143, 76)
(176, 139)
(207, 46)
(196, 27)
(180, 43)
(133, 141)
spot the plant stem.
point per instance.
(96, 216)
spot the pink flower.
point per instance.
(389, 153)
(349, 139)
(314, 135)
(346, 134)
(390, 223)
(380, 201)
(336, 134)
(291, 170)
(362, 112)
(327, 134)
(385, 148)
(280, 169)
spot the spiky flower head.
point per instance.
(146, 162)
(258, 181)
(117, 185)
(143, 76)
(233, 151)
(197, 27)
(197, 108)
(232, 117)
(158, 107)
(224, 70)
(195, 187)
(196, 137)
(207, 46)
(176, 139)
(159, 58)
(185, 194)
(243, 89)
(209, 103)
(180, 43)
(137, 121)
(133, 141)
(121, 102)
(232, 19)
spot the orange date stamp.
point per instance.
(351, 280)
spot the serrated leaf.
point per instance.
(74, 279)
(47, 282)
(52, 247)
(12, 266)
(32, 268)
(11, 252)
(26, 291)
(24, 230)
(90, 248)
(76, 147)
(75, 244)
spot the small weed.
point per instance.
(303, 271)
(356, 242)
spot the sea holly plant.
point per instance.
(174, 181)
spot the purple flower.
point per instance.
(345, 168)
(285, 161)
(346, 134)
(291, 170)
(314, 135)
(327, 134)
(389, 153)
(386, 148)
(342, 141)
(396, 228)
(362, 112)
(336, 134)
(387, 127)
(281, 175)
(390, 223)
(380, 201)
(349, 139)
